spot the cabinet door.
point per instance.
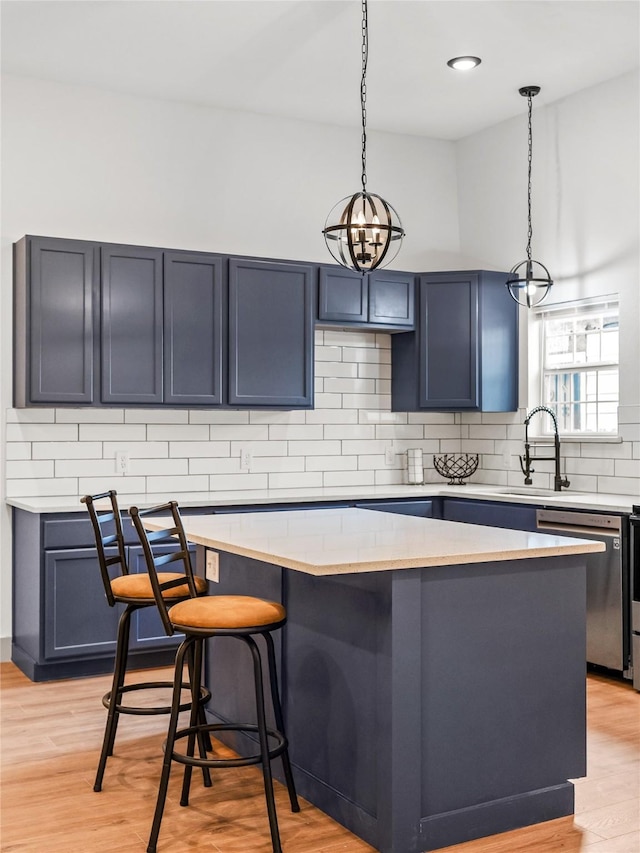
(193, 313)
(449, 341)
(78, 621)
(131, 325)
(147, 629)
(391, 298)
(343, 296)
(270, 334)
(59, 281)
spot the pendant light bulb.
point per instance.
(363, 231)
(529, 281)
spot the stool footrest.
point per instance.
(239, 761)
(142, 710)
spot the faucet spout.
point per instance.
(525, 463)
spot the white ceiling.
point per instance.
(301, 58)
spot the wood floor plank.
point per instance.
(50, 741)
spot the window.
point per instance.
(579, 374)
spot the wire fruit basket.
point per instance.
(456, 466)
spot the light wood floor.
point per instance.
(50, 739)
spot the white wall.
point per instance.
(81, 163)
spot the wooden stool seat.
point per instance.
(138, 587)
(221, 613)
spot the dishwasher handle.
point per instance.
(567, 521)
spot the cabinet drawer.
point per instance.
(77, 532)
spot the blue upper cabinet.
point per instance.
(463, 355)
(56, 286)
(271, 338)
(378, 300)
(132, 312)
(194, 308)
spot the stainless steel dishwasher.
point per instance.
(607, 604)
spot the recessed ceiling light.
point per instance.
(464, 63)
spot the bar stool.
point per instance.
(239, 616)
(135, 591)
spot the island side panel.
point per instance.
(503, 696)
(335, 660)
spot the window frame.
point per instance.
(578, 309)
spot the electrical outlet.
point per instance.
(212, 568)
(506, 460)
(245, 459)
(122, 462)
(389, 456)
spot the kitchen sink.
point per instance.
(534, 493)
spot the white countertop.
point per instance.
(516, 494)
(350, 541)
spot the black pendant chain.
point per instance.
(363, 91)
(530, 229)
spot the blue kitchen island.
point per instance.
(433, 673)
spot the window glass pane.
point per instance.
(580, 369)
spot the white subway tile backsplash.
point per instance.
(260, 448)
(123, 485)
(283, 418)
(19, 450)
(372, 356)
(42, 488)
(349, 386)
(177, 432)
(67, 449)
(342, 442)
(397, 431)
(31, 416)
(238, 482)
(328, 401)
(216, 465)
(199, 448)
(331, 463)
(349, 478)
(366, 401)
(157, 467)
(217, 416)
(173, 485)
(279, 464)
(90, 416)
(86, 468)
(328, 353)
(239, 432)
(114, 432)
(307, 479)
(347, 431)
(295, 432)
(29, 470)
(156, 416)
(314, 448)
(42, 432)
(333, 368)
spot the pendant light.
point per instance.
(529, 281)
(363, 231)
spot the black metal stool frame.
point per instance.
(112, 700)
(193, 645)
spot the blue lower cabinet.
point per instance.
(422, 508)
(77, 619)
(509, 516)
